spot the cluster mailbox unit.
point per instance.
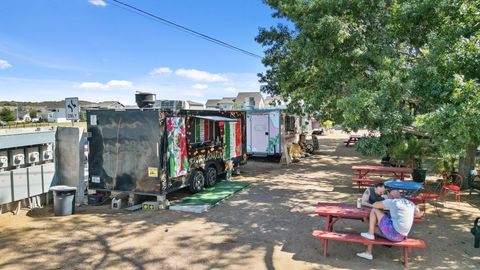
(27, 167)
(153, 152)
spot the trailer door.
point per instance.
(274, 143)
(258, 134)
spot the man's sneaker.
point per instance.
(365, 255)
(367, 235)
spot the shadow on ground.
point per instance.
(266, 226)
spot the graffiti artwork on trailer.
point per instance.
(177, 146)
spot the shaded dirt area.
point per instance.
(266, 226)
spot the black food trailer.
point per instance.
(154, 152)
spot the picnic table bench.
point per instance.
(352, 140)
(336, 211)
(407, 244)
(367, 175)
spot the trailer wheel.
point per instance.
(197, 180)
(310, 148)
(210, 176)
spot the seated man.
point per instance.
(394, 227)
(374, 194)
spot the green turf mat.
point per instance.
(214, 194)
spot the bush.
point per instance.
(327, 124)
(6, 115)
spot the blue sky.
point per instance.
(52, 49)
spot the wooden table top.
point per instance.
(343, 210)
(382, 169)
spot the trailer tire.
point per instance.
(309, 148)
(210, 176)
(197, 181)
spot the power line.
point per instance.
(180, 27)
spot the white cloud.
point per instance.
(199, 86)
(198, 75)
(230, 89)
(119, 84)
(92, 85)
(196, 94)
(4, 64)
(100, 3)
(161, 70)
(108, 85)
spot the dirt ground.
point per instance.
(266, 226)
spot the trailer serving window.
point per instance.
(289, 123)
(207, 130)
(201, 131)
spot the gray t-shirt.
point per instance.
(402, 212)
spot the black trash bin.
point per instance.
(63, 200)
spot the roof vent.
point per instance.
(144, 100)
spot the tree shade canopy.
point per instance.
(380, 65)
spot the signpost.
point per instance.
(72, 109)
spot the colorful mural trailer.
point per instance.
(267, 129)
(177, 146)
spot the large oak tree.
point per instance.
(364, 63)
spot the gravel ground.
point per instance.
(266, 226)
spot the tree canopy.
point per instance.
(7, 115)
(33, 113)
(369, 63)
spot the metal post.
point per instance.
(162, 201)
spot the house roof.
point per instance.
(106, 105)
(194, 103)
(227, 100)
(21, 113)
(212, 103)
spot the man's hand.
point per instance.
(417, 213)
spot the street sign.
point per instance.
(72, 108)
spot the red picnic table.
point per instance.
(336, 211)
(352, 140)
(362, 173)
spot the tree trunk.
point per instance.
(467, 163)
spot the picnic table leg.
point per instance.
(329, 226)
(325, 248)
(405, 256)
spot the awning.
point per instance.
(216, 118)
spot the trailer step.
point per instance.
(134, 207)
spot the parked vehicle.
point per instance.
(154, 152)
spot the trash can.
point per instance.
(63, 200)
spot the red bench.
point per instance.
(407, 244)
(366, 182)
